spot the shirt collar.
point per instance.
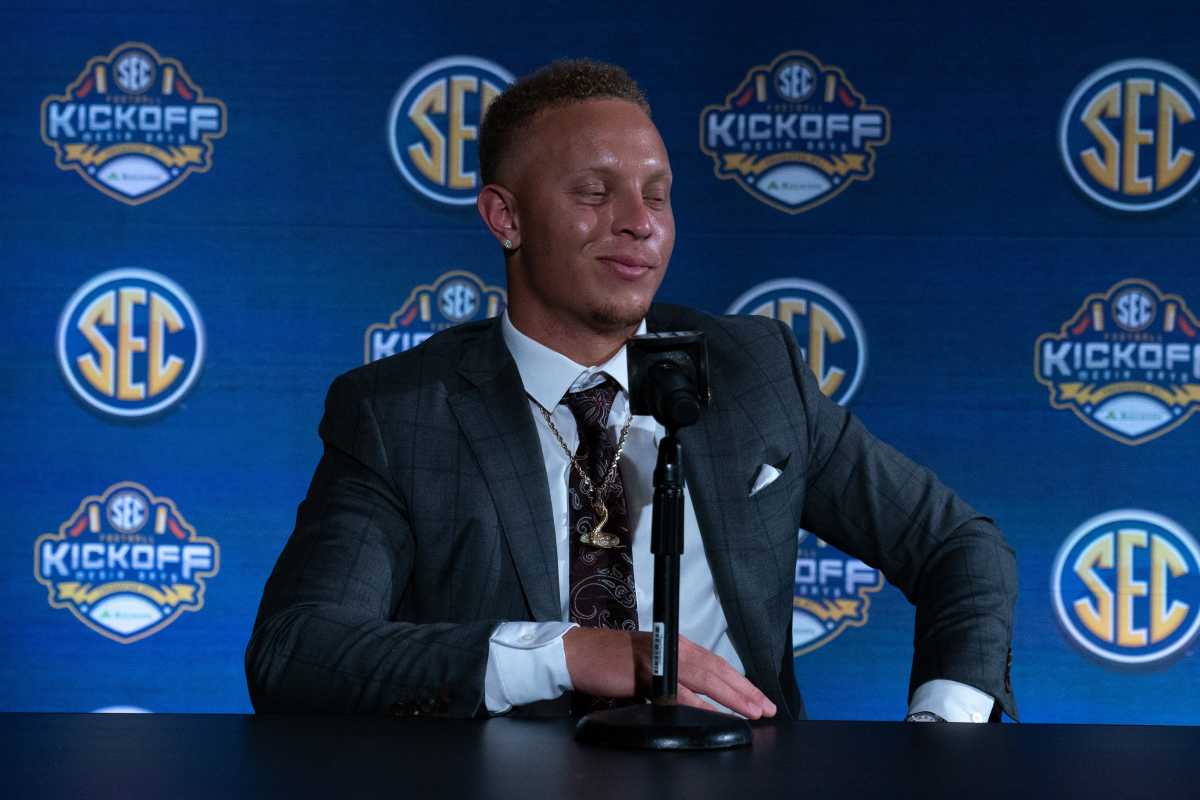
(548, 374)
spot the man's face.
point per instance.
(593, 195)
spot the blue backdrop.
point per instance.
(982, 217)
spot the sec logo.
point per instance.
(458, 299)
(130, 342)
(1126, 587)
(1133, 309)
(1129, 135)
(433, 126)
(828, 330)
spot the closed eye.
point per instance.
(592, 193)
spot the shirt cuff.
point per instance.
(952, 701)
(526, 663)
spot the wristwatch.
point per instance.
(923, 716)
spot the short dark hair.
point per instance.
(556, 84)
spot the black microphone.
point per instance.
(668, 377)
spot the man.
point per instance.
(475, 539)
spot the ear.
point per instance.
(498, 208)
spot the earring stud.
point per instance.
(508, 244)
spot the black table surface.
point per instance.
(226, 756)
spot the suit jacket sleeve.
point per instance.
(865, 498)
(325, 638)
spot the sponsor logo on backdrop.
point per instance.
(133, 124)
(456, 296)
(126, 563)
(130, 342)
(1126, 587)
(1129, 135)
(795, 133)
(833, 593)
(830, 335)
(1127, 362)
(433, 126)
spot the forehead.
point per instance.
(594, 134)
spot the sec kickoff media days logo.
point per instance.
(130, 342)
(794, 133)
(133, 124)
(832, 593)
(456, 296)
(1126, 587)
(1129, 135)
(433, 126)
(126, 563)
(1127, 363)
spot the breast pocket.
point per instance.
(776, 505)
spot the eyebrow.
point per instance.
(658, 174)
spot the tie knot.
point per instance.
(591, 406)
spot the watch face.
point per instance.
(923, 716)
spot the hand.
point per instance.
(609, 663)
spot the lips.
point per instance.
(627, 267)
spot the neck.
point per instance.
(581, 343)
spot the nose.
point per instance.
(631, 216)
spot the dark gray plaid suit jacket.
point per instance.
(428, 522)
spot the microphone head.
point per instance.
(668, 377)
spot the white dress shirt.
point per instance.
(526, 660)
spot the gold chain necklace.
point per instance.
(597, 536)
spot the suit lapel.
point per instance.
(493, 415)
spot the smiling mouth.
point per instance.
(628, 269)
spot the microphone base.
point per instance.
(662, 727)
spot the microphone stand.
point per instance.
(663, 724)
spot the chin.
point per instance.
(617, 317)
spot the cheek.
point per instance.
(584, 223)
(575, 229)
(666, 228)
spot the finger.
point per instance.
(727, 696)
(687, 697)
(723, 681)
(738, 684)
(705, 673)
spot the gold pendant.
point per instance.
(596, 537)
(602, 518)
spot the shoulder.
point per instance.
(725, 334)
(431, 365)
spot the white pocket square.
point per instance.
(765, 477)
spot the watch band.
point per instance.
(923, 716)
